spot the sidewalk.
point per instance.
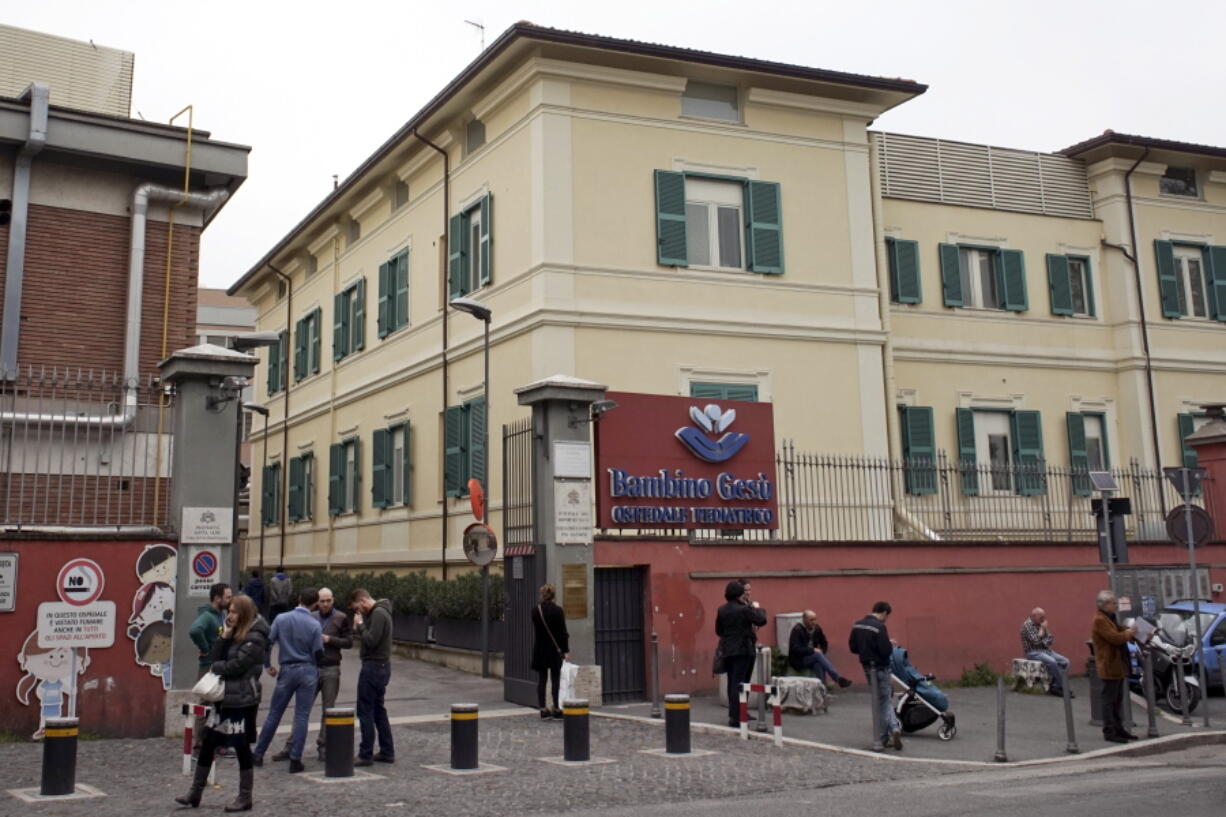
(1034, 724)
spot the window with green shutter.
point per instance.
(349, 320)
(1079, 458)
(394, 293)
(464, 447)
(1028, 453)
(1168, 281)
(903, 259)
(380, 451)
(277, 364)
(670, 219)
(470, 250)
(307, 344)
(967, 458)
(477, 448)
(1011, 269)
(390, 466)
(1187, 425)
(951, 274)
(764, 227)
(1215, 261)
(270, 493)
(1070, 285)
(301, 487)
(344, 476)
(919, 449)
(725, 391)
(718, 222)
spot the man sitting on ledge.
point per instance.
(807, 650)
(1036, 646)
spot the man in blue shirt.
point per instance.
(299, 640)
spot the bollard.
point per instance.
(878, 745)
(338, 742)
(1150, 702)
(59, 757)
(655, 675)
(576, 731)
(1000, 756)
(464, 736)
(763, 667)
(1096, 692)
(1071, 747)
(677, 724)
(1126, 709)
(1183, 691)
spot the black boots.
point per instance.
(246, 779)
(192, 798)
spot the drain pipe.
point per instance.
(1134, 258)
(289, 342)
(39, 96)
(444, 290)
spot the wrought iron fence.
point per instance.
(825, 498)
(84, 449)
(518, 525)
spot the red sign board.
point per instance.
(681, 462)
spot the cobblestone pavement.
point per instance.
(144, 775)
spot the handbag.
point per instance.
(719, 664)
(545, 624)
(211, 688)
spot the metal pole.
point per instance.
(1150, 703)
(1000, 756)
(878, 746)
(655, 675)
(762, 679)
(485, 621)
(1071, 747)
(1183, 691)
(262, 472)
(238, 562)
(1195, 585)
(1107, 537)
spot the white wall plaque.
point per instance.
(61, 624)
(206, 526)
(572, 512)
(572, 460)
(8, 582)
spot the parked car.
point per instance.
(1176, 619)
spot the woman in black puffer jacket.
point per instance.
(237, 657)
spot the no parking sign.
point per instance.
(205, 569)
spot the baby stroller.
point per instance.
(921, 703)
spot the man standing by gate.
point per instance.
(372, 623)
(337, 636)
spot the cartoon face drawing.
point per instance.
(153, 645)
(157, 563)
(51, 674)
(152, 603)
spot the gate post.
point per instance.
(563, 461)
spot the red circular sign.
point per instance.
(80, 582)
(204, 564)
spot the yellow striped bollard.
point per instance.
(677, 724)
(338, 742)
(59, 757)
(464, 736)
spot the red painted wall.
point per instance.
(116, 696)
(948, 620)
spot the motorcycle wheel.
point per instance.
(1176, 706)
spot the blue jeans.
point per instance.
(1056, 665)
(820, 665)
(297, 681)
(372, 714)
(885, 700)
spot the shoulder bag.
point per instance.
(540, 612)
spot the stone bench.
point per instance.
(799, 694)
(1028, 674)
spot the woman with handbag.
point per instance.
(235, 655)
(550, 647)
(734, 624)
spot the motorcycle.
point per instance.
(1167, 657)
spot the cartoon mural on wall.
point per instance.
(51, 674)
(151, 626)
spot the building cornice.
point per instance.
(814, 104)
(324, 239)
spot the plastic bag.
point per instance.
(211, 688)
(566, 686)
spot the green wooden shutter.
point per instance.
(476, 441)
(340, 338)
(1215, 266)
(1186, 426)
(1079, 460)
(455, 257)
(317, 321)
(1011, 272)
(400, 278)
(1059, 286)
(670, 219)
(454, 451)
(904, 271)
(741, 391)
(273, 382)
(707, 391)
(919, 449)
(336, 478)
(295, 489)
(268, 503)
(764, 228)
(356, 444)
(385, 298)
(357, 332)
(1028, 453)
(408, 465)
(967, 459)
(1168, 281)
(283, 360)
(951, 275)
(300, 348)
(380, 468)
(487, 239)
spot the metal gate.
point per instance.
(619, 633)
(523, 566)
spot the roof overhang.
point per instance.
(1111, 144)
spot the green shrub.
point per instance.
(412, 593)
(981, 675)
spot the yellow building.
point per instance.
(679, 222)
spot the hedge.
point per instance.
(412, 593)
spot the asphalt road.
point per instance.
(1189, 783)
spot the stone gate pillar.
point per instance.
(208, 384)
(562, 494)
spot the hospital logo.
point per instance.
(708, 422)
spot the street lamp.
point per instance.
(483, 313)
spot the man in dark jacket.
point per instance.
(734, 624)
(807, 648)
(1110, 642)
(871, 641)
(337, 636)
(280, 594)
(255, 588)
(372, 624)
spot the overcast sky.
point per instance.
(315, 87)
